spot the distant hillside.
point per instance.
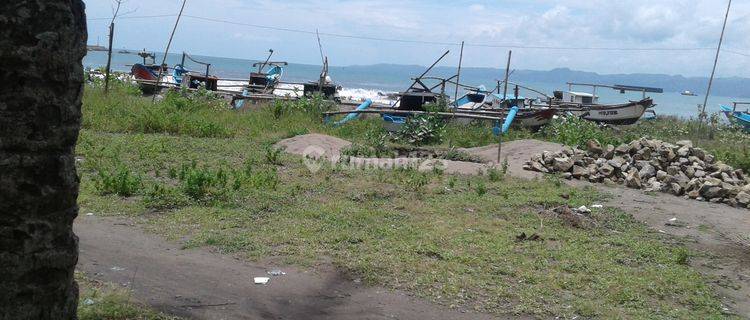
(730, 87)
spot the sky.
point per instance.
(485, 26)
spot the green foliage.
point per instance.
(413, 180)
(118, 180)
(480, 188)
(162, 197)
(118, 82)
(422, 130)
(99, 301)
(203, 183)
(451, 182)
(179, 113)
(495, 175)
(312, 106)
(574, 131)
(273, 155)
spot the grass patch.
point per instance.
(449, 239)
(99, 301)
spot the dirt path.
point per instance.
(721, 233)
(198, 284)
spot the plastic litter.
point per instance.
(597, 206)
(583, 209)
(90, 214)
(261, 280)
(276, 272)
(676, 223)
(116, 268)
(88, 302)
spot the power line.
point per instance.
(735, 52)
(506, 46)
(426, 42)
(136, 17)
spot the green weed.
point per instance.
(119, 180)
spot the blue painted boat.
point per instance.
(740, 118)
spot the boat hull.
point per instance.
(623, 114)
(147, 73)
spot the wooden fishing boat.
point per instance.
(615, 114)
(587, 106)
(324, 86)
(480, 100)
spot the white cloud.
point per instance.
(476, 7)
(550, 23)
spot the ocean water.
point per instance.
(373, 82)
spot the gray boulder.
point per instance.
(743, 199)
(562, 164)
(647, 171)
(632, 180)
(594, 147)
(606, 170)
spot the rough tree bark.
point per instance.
(42, 44)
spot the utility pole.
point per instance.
(716, 61)
(109, 57)
(115, 12)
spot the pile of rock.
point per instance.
(653, 165)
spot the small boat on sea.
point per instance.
(688, 93)
(587, 106)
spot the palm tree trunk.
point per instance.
(42, 44)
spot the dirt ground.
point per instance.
(203, 285)
(719, 233)
(198, 284)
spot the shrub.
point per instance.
(574, 131)
(422, 130)
(273, 155)
(480, 188)
(164, 197)
(119, 181)
(414, 180)
(495, 174)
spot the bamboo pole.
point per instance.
(166, 52)
(410, 112)
(458, 75)
(505, 94)
(716, 62)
